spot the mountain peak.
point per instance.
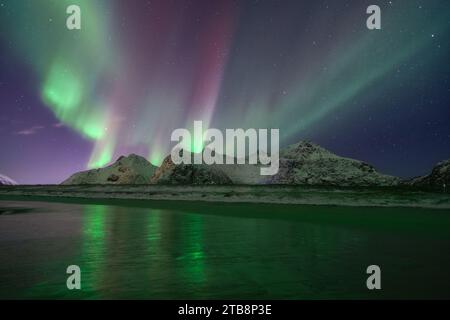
(130, 160)
(303, 150)
(171, 173)
(438, 179)
(131, 169)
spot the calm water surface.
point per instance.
(221, 251)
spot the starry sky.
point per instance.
(137, 70)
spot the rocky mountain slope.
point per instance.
(303, 163)
(209, 174)
(438, 179)
(133, 169)
(170, 173)
(242, 173)
(5, 181)
(309, 164)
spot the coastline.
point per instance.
(262, 194)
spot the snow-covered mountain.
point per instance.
(171, 173)
(309, 164)
(133, 169)
(6, 181)
(438, 179)
(303, 163)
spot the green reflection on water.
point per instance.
(193, 249)
(175, 244)
(154, 229)
(224, 251)
(93, 247)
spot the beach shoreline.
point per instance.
(280, 195)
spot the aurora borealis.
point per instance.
(137, 70)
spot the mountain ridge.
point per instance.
(302, 163)
(306, 163)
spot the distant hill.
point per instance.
(6, 181)
(438, 179)
(133, 169)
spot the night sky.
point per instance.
(137, 70)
